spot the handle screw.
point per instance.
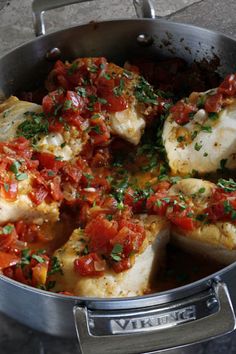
(211, 303)
(145, 40)
(53, 54)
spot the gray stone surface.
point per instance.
(16, 28)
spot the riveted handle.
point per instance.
(144, 9)
(200, 317)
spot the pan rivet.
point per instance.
(53, 54)
(144, 39)
(211, 303)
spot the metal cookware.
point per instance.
(193, 313)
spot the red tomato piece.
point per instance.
(99, 132)
(214, 103)
(115, 103)
(228, 86)
(101, 231)
(122, 265)
(73, 103)
(55, 189)
(9, 190)
(8, 259)
(181, 220)
(52, 101)
(27, 233)
(130, 236)
(49, 161)
(89, 265)
(155, 204)
(181, 112)
(134, 201)
(38, 195)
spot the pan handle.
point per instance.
(194, 319)
(144, 9)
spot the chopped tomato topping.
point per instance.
(181, 112)
(89, 265)
(228, 86)
(115, 103)
(214, 103)
(182, 220)
(9, 190)
(99, 132)
(8, 259)
(49, 161)
(52, 101)
(101, 231)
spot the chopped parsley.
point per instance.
(55, 267)
(194, 134)
(228, 186)
(67, 105)
(206, 128)
(144, 92)
(33, 127)
(81, 91)
(72, 68)
(38, 258)
(119, 89)
(197, 147)
(15, 169)
(116, 252)
(180, 138)
(202, 190)
(6, 230)
(213, 116)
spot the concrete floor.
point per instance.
(15, 29)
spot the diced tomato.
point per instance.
(215, 212)
(8, 259)
(101, 158)
(228, 86)
(38, 195)
(105, 85)
(52, 101)
(130, 236)
(181, 112)
(9, 190)
(89, 196)
(213, 103)
(133, 200)
(221, 206)
(22, 276)
(55, 126)
(71, 173)
(156, 204)
(122, 265)
(7, 239)
(49, 161)
(89, 265)
(26, 232)
(115, 103)
(182, 220)
(162, 186)
(60, 68)
(74, 119)
(99, 132)
(101, 231)
(55, 189)
(73, 103)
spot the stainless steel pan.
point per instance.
(193, 313)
